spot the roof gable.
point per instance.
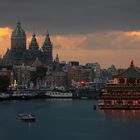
(131, 72)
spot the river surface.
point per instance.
(67, 120)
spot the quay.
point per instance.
(26, 94)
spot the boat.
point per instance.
(23, 95)
(26, 117)
(4, 96)
(58, 94)
(87, 92)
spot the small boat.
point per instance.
(26, 117)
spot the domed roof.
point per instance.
(18, 32)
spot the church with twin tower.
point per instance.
(18, 53)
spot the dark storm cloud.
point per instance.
(71, 16)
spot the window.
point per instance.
(131, 81)
(121, 81)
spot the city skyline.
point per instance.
(87, 31)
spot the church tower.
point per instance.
(47, 50)
(33, 45)
(18, 37)
(15, 55)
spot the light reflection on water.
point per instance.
(122, 116)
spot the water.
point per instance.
(67, 120)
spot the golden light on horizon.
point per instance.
(5, 31)
(133, 33)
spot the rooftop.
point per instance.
(130, 72)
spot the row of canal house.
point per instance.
(124, 92)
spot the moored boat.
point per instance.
(58, 94)
(4, 96)
(23, 95)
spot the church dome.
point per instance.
(18, 32)
(18, 37)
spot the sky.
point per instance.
(103, 31)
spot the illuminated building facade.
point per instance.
(124, 92)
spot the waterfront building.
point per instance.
(123, 92)
(23, 75)
(111, 71)
(78, 74)
(59, 79)
(96, 67)
(73, 74)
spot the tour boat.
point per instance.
(58, 94)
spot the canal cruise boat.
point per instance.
(124, 92)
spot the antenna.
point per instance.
(47, 32)
(33, 31)
(18, 19)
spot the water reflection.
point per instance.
(122, 116)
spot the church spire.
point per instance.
(18, 23)
(47, 42)
(47, 45)
(18, 20)
(57, 58)
(33, 44)
(132, 63)
(57, 64)
(47, 49)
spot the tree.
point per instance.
(4, 83)
(40, 73)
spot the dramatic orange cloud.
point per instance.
(112, 47)
(4, 39)
(134, 33)
(70, 42)
(5, 31)
(107, 48)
